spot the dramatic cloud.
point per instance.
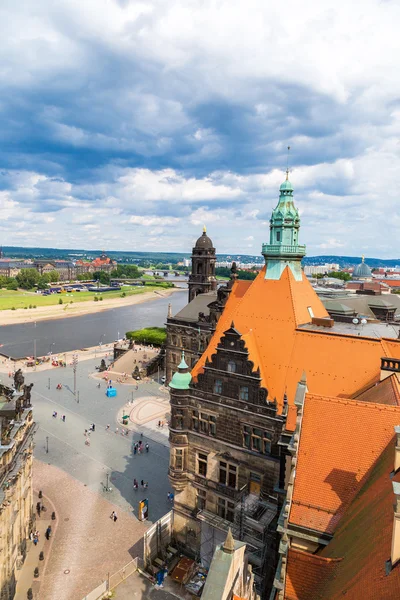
(140, 121)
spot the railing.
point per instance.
(390, 364)
(220, 488)
(281, 249)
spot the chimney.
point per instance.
(397, 449)
(395, 554)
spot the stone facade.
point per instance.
(225, 458)
(16, 499)
(202, 278)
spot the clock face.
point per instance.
(232, 343)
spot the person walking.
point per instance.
(112, 515)
(115, 517)
(63, 418)
(107, 427)
(48, 532)
(142, 483)
(38, 508)
(135, 484)
(134, 449)
(147, 447)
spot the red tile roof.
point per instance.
(340, 440)
(386, 391)
(268, 314)
(360, 547)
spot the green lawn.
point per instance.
(22, 298)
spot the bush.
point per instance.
(34, 306)
(96, 299)
(60, 301)
(36, 572)
(101, 298)
(25, 307)
(123, 295)
(30, 306)
(29, 594)
(13, 308)
(150, 335)
(41, 555)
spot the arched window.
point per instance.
(199, 268)
(231, 367)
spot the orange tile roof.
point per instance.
(386, 391)
(268, 314)
(360, 547)
(339, 442)
(306, 574)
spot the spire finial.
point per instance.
(204, 229)
(229, 544)
(287, 164)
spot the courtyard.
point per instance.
(85, 483)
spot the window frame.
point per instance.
(203, 462)
(217, 387)
(244, 393)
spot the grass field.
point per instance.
(24, 299)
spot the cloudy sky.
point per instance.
(130, 124)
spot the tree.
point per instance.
(12, 285)
(102, 276)
(150, 335)
(43, 281)
(340, 275)
(27, 278)
(54, 276)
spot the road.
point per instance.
(108, 453)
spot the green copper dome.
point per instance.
(286, 186)
(182, 378)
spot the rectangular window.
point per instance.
(201, 499)
(278, 236)
(178, 459)
(202, 464)
(244, 392)
(195, 420)
(213, 426)
(218, 386)
(222, 472)
(204, 423)
(256, 439)
(227, 474)
(226, 509)
(179, 419)
(247, 436)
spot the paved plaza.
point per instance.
(74, 476)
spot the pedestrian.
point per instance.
(159, 423)
(48, 532)
(31, 536)
(55, 414)
(147, 447)
(169, 496)
(141, 435)
(134, 449)
(87, 442)
(146, 485)
(116, 430)
(38, 508)
(35, 540)
(135, 484)
(115, 517)
(63, 418)
(112, 515)
(142, 483)
(107, 427)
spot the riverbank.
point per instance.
(61, 311)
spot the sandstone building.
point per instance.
(233, 413)
(16, 501)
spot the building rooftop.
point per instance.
(274, 318)
(200, 303)
(354, 563)
(328, 477)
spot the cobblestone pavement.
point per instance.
(109, 453)
(86, 544)
(137, 587)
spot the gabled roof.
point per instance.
(340, 441)
(386, 391)
(353, 564)
(269, 313)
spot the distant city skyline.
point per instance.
(130, 125)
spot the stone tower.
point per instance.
(202, 279)
(283, 249)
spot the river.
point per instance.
(64, 335)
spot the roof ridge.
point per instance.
(354, 402)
